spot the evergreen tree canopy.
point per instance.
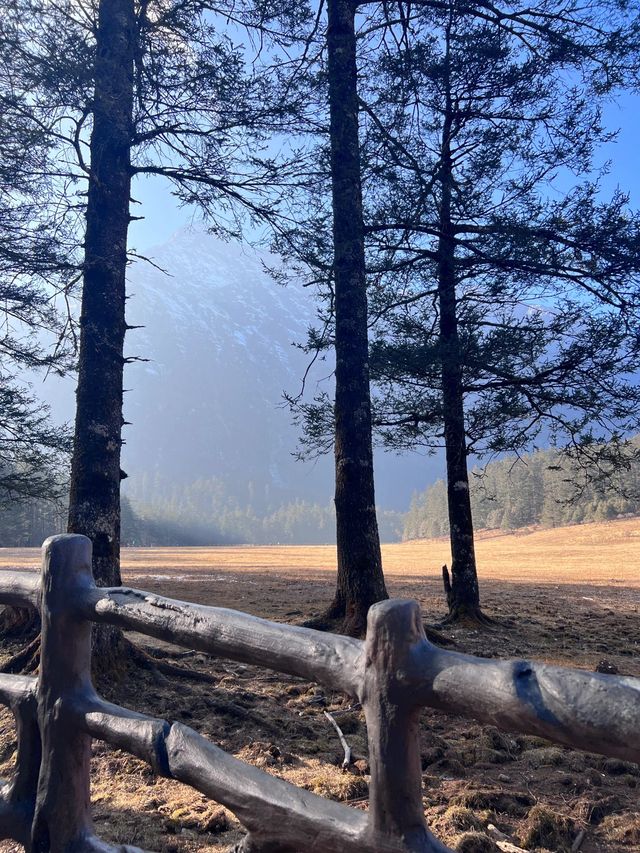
(545, 488)
(37, 273)
(547, 287)
(119, 89)
(501, 310)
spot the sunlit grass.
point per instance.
(598, 553)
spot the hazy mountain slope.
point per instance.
(219, 335)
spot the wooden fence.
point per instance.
(394, 673)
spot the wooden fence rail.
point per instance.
(394, 673)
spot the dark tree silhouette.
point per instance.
(456, 143)
(36, 276)
(35, 271)
(139, 89)
(94, 504)
(482, 339)
(360, 581)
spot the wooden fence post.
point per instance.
(62, 820)
(392, 715)
(24, 788)
(19, 796)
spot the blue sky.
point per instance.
(164, 216)
(625, 152)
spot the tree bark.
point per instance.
(360, 580)
(463, 597)
(94, 508)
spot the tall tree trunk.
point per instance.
(360, 581)
(464, 595)
(94, 507)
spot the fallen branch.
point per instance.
(508, 847)
(502, 841)
(496, 834)
(26, 660)
(347, 749)
(435, 636)
(577, 844)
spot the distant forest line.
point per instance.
(544, 488)
(183, 519)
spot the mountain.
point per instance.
(219, 335)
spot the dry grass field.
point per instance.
(597, 553)
(567, 595)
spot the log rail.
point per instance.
(394, 674)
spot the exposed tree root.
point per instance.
(434, 636)
(121, 653)
(228, 708)
(337, 626)
(336, 610)
(25, 661)
(323, 623)
(330, 619)
(350, 626)
(467, 615)
(355, 622)
(169, 669)
(468, 618)
(160, 654)
(19, 622)
(161, 670)
(341, 618)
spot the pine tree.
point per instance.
(119, 89)
(138, 89)
(548, 488)
(403, 118)
(484, 337)
(360, 582)
(36, 274)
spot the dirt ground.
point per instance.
(569, 596)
